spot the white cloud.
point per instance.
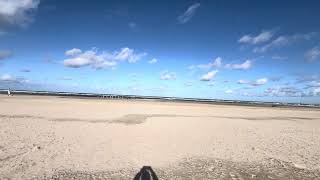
(153, 61)
(241, 81)
(186, 16)
(204, 66)
(73, 52)
(65, 78)
(17, 12)
(312, 85)
(286, 91)
(264, 36)
(307, 36)
(90, 57)
(312, 92)
(285, 40)
(278, 42)
(5, 54)
(100, 60)
(257, 82)
(316, 91)
(312, 54)
(260, 82)
(229, 91)
(209, 76)
(276, 57)
(244, 66)
(13, 79)
(127, 54)
(166, 75)
(307, 78)
(215, 64)
(7, 77)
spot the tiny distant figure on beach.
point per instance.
(9, 92)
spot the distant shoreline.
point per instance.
(160, 99)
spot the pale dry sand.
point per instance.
(64, 138)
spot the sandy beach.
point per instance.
(45, 137)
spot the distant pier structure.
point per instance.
(115, 96)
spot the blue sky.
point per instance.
(245, 50)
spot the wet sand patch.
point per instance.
(132, 119)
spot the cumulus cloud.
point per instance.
(264, 36)
(7, 77)
(153, 61)
(257, 82)
(306, 36)
(90, 57)
(316, 91)
(188, 14)
(307, 78)
(127, 54)
(312, 92)
(312, 85)
(97, 60)
(312, 54)
(73, 52)
(241, 81)
(278, 42)
(5, 54)
(229, 91)
(209, 76)
(260, 82)
(17, 12)
(309, 81)
(277, 57)
(286, 91)
(65, 78)
(215, 64)
(166, 75)
(244, 66)
(285, 40)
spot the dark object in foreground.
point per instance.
(146, 173)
